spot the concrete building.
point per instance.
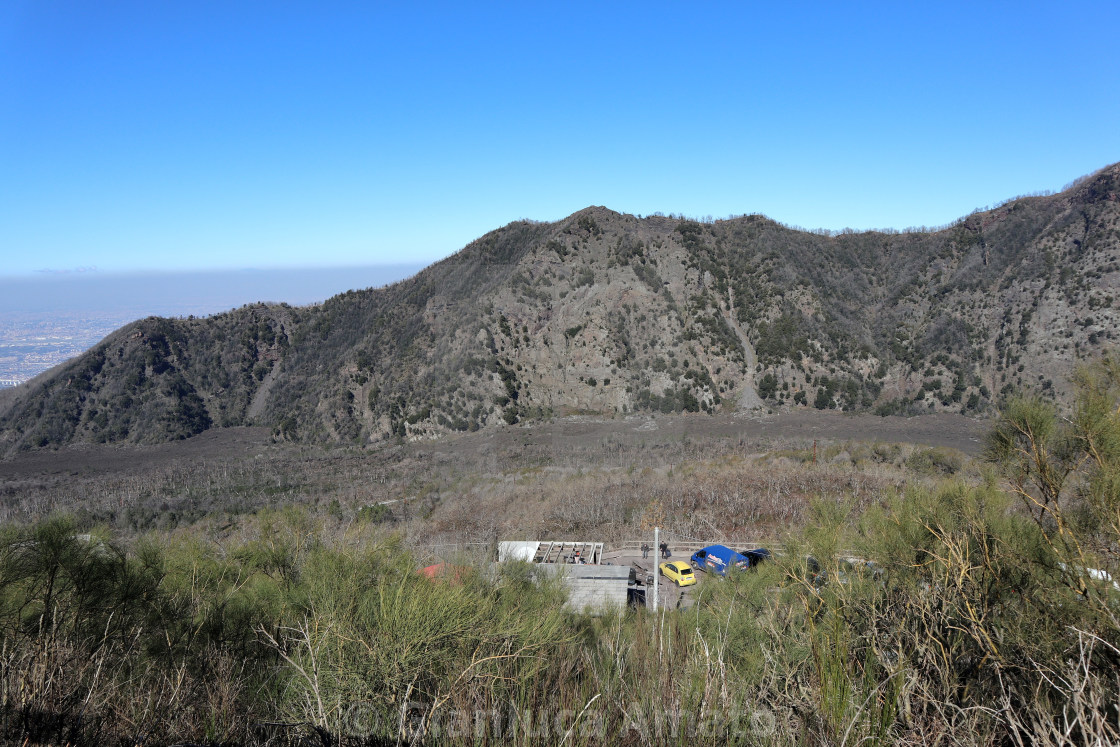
(597, 588)
(591, 584)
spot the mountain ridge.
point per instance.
(608, 313)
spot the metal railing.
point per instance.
(692, 545)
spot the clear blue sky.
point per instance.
(174, 135)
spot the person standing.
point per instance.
(645, 551)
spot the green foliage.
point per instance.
(899, 406)
(1065, 469)
(647, 273)
(823, 400)
(934, 462)
(723, 338)
(376, 513)
(767, 386)
(673, 400)
(588, 224)
(963, 593)
(781, 340)
(586, 276)
(909, 618)
(692, 234)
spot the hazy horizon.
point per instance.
(197, 292)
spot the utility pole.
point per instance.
(656, 557)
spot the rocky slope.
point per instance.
(608, 313)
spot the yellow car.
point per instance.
(678, 571)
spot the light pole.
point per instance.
(657, 554)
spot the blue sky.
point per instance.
(194, 135)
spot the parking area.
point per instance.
(670, 596)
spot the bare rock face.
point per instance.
(609, 314)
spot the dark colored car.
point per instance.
(719, 559)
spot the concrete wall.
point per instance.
(596, 587)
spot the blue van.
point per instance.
(719, 559)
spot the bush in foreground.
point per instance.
(947, 615)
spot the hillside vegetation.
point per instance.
(610, 313)
(981, 621)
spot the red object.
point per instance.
(444, 572)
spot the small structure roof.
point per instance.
(551, 551)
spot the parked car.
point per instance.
(757, 556)
(679, 572)
(719, 559)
